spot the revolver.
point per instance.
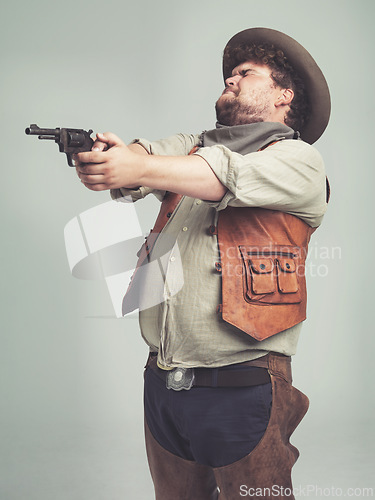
(70, 140)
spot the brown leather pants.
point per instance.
(265, 473)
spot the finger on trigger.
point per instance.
(99, 146)
(90, 157)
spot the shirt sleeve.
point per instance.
(175, 145)
(135, 194)
(288, 176)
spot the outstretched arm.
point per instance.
(131, 166)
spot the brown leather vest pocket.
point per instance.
(271, 274)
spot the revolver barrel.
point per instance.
(44, 133)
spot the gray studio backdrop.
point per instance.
(71, 373)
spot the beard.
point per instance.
(233, 110)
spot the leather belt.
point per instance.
(240, 375)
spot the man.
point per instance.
(240, 209)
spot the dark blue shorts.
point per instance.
(211, 426)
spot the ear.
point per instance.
(285, 97)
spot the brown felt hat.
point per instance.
(303, 64)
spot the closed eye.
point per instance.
(245, 72)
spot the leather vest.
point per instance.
(262, 262)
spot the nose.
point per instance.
(232, 80)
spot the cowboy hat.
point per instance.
(303, 63)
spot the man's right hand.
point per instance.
(102, 143)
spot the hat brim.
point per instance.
(303, 63)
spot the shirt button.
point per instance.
(185, 228)
(172, 259)
(198, 202)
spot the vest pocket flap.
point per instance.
(287, 265)
(261, 265)
(262, 277)
(287, 276)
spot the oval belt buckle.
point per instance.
(180, 378)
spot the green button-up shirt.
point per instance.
(184, 328)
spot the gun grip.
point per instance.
(69, 157)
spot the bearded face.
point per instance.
(239, 111)
(248, 97)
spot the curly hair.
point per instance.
(282, 73)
